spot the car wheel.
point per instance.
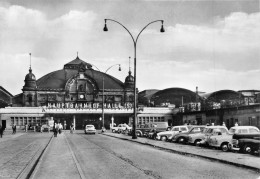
(181, 140)
(224, 147)
(164, 138)
(113, 131)
(138, 134)
(197, 142)
(247, 149)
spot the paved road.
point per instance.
(99, 156)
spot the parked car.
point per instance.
(183, 137)
(246, 143)
(90, 129)
(143, 130)
(195, 138)
(121, 128)
(175, 130)
(222, 139)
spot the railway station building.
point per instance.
(73, 94)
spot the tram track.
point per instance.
(149, 173)
(34, 174)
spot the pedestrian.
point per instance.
(14, 128)
(1, 131)
(55, 130)
(71, 128)
(41, 128)
(60, 128)
(26, 128)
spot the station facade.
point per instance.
(73, 94)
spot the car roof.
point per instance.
(213, 127)
(243, 127)
(90, 125)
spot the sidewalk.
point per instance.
(237, 159)
(57, 161)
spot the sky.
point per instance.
(214, 45)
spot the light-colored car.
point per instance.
(121, 128)
(183, 137)
(90, 129)
(174, 130)
(197, 138)
(223, 140)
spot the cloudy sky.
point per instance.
(214, 45)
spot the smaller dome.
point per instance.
(129, 81)
(30, 81)
(129, 78)
(30, 75)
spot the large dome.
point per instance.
(57, 80)
(175, 96)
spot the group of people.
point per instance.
(57, 128)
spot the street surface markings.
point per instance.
(146, 172)
(13, 167)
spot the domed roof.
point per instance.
(129, 78)
(30, 81)
(30, 76)
(57, 80)
(174, 96)
(217, 96)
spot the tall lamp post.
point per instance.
(135, 44)
(103, 86)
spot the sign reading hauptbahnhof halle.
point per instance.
(72, 94)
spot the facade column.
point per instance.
(74, 121)
(112, 119)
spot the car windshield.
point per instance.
(204, 130)
(183, 129)
(89, 126)
(196, 129)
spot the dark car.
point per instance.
(246, 143)
(183, 137)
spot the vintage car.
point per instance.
(153, 132)
(121, 128)
(222, 139)
(183, 137)
(90, 129)
(175, 130)
(143, 130)
(246, 143)
(196, 138)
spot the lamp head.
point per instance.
(162, 28)
(105, 27)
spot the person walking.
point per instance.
(26, 128)
(1, 131)
(14, 128)
(55, 130)
(71, 128)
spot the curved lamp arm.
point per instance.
(123, 27)
(162, 29)
(113, 66)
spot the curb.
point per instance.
(29, 169)
(189, 154)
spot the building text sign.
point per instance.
(89, 106)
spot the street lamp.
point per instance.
(135, 43)
(103, 97)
